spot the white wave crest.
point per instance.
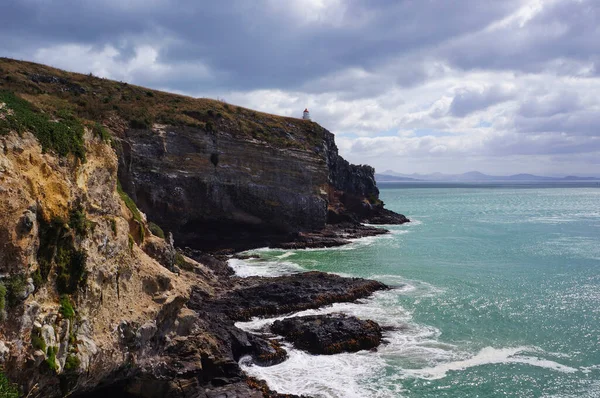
(252, 267)
(487, 356)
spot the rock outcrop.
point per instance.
(248, 195)
(215, 190)
(329, 334)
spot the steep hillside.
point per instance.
(216, 175)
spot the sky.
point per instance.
(499, 86)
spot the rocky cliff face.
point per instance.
(92, 294)
(214, 190)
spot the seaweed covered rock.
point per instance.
(329, 334)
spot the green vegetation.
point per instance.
(70, 269)
(57, 247)
(130, 242)
(38, 281)
(37, 341)
(95, 100)
(179, 260)
(374, 200)
(8, 389)
(72, 363)
(66, 308)
(113, 225)
(51, 358)
(64, 136)
(101, 132)
(143, 123)
(129, 203)
(15, 287)
(78, 221)
(156, 230)
(52, 235)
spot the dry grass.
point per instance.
(96, 99)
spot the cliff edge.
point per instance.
(99, 178)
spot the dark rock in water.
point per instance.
(331, 236)
(385, 216)
(258, 296)
(329, 334)
(216, 264)
(262, 386)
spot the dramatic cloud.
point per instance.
(500, 86)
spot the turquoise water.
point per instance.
(497, 294)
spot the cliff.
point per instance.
(93, 291)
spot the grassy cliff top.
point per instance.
(56, 95)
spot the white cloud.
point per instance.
(108, 62)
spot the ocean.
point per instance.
(496, 294)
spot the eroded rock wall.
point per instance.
(121, 301)
(213, 190)
(217, 191)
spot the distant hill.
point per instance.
(472, 176)
(390, 178)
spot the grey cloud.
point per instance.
(563, 36)
(469, 101)
(583, 122)
(242, 39)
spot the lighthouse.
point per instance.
(306, 114)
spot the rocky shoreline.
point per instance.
(184, 371)
(96, 296)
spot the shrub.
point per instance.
(8, 389)
(142, 123)
(66, 308)
(37, 341)
(72, 363)
(71, 272)
(130, 242)
(15, 286)
(156, 230)
(64, 137)
(51, 358)
(78, 222)
(51, 236)
(210, 127)
(101, 132)
(38, 281)
(179, 259)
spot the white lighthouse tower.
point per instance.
(306, 114)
